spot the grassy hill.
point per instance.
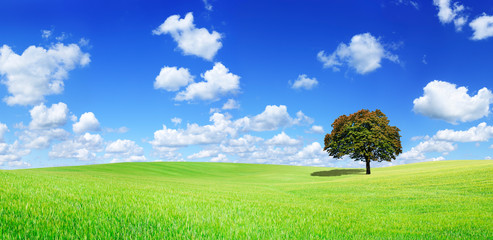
(447, 199)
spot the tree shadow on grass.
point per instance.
(337, 172)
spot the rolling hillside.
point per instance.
(447, 199)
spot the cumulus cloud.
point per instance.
(219, 158)
(316, 129)
(221, 141)
(448, 12)
(304, 82)
(203, 154)
(45, 126)
(124, 151)
(241, 146)
(312, 154)
(364, 53)
(231, 104)
(272, 118)
(195, 134)
(418, 152)
(87, 122)
(3, 130)
(176, 120)
(42, 138)
(444, 141)
(480, 133)
(191, 40)
(38, 72)
(482, 27)
(11, 155)
(282, 139)
(172, 78)
(443, 100)
(166, 153)
(82, 148)
(218, 82)
(52, 117)
(222, 127)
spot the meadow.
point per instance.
(190, 200)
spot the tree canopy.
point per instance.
(364, 136)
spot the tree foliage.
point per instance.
(364, 136)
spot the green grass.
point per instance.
(433, 200)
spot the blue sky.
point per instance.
(85, 82)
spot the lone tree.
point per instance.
(364, 136)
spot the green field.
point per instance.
(185, 200)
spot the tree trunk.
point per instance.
(367, 166)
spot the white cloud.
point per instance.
(220, 158)
(82, 148)
(302, 119)
(62, 37)
(38, 72)
(172, 78)
(44, 126)
(87, 122)
(273, 117)
(364, 53)
(418, 152)
(191, 40)
(482, 27)
(166, 153)
(11, 155)
(448, 13)
(254, 149)
(316, 129)
(203, 154)
(231, 104)
(441, 158)
(240, 146)
(414, 4)
(42, 138)
(312, 154)
(218, 81)
(480, 133)
(303, 82)
(52, 117)
(45, 34)
(83, 42)
(406, 2)
(282, 139)
(416, 138)
(116, 130)
(3, 130)
(444, 142)
(220, 139)
(124, 151)
(176, 120)
(207, 5)
(195, 134)
(443, 100)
